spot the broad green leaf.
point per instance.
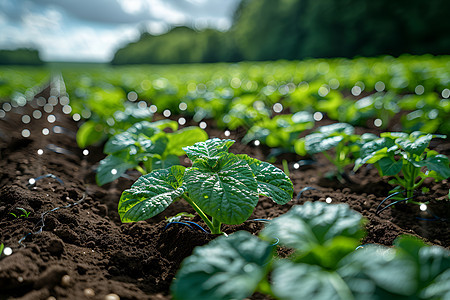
(439, 289)
(168, 161)
(227, 268)
(374, 271)
(430, 261)
(337, 128)
(314, 223)
(319, 142)
(299, 147)
(272, 182)
(438, 163)
(208, 149)
(119, 142)
(223, 187)
(163, 124)
(111, 168)
(416, 147)
(370, 149)
(89, 133)
(156, 144)
(185, 137)
(145, 128)
(151, 194)
(394, 135)
(293, 281)
(389, 166)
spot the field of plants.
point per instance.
(315, 179)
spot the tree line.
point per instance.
(21, 56)
(298, 29)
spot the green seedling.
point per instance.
(340, 138)
(407, 159)
(281, 131)
(324, 263)
(145, 146)
(2, 246)
(24, 213)
(222, 187)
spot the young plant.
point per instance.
(280, 132)
(145, 146)
(324, 263)
(341, 138)
(221, 187)
(24, 213)
(407, 158)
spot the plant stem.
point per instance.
(410, 188)
(285, 167)
(265, 288)
(140, 169)
(217, 226)
(201, 214)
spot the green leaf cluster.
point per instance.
(281, 131)
(407, 158)
(220, 185)
(146, 147)
(324, 263)
(339, 137)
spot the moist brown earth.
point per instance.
(83, 250)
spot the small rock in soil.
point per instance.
(89, 292)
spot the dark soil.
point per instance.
(85, 252)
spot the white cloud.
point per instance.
(91, 30)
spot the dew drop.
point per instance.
(45, 131)
(377, 122)
(48, 108)
(51, 118)
(7, 251)
(37, 114)
(318, 116)
(76, 117)
(277, 107)
(166, 113)
(257, 142)
(181, 121)
(26, 119)
(227, 133)
(26, 133)
(85, 152)
(356, 90)
(132, 96)
(423, 207)
(142, 104)
(445, 93)
(203, 125)
(114, 171)
(40, 152)
(380, 86)
(31, 181)
(296, 165)
(67, 109)
(328, 200)
(182, 106)
(153, 108)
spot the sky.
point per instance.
(92, 30)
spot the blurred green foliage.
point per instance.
(298, 29)
(20, 57)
